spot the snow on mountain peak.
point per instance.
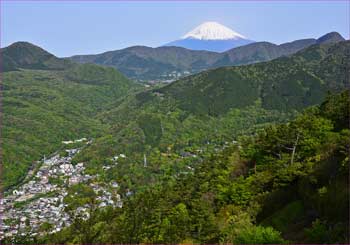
(212, 31)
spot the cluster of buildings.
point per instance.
(176, 74)
(107, 197)
(165, 78)
(38, 206)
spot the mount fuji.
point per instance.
(211, 36)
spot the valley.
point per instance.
(173, 62)
(216, 156)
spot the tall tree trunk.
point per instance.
(294, 148)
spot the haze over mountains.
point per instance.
(169, 62)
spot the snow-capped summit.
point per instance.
(212, 31)
(211, 36)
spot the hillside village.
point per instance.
(38, 206)
(127, 135)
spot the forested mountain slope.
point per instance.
(46, 100)
(180, 124)
(288, 183)
(56, 99)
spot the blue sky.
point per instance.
(68, 28)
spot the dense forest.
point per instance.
(246, 154)
(47, 100)
(200, 114)
(287, 183)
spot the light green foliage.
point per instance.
(227, 200)
(259, 235)
(43, 108)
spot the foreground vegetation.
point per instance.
(288, 183)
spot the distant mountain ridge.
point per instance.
(162, 63)
(263, 51)
(29, 56)
(209, 45)
(285, 83)
(145, 63)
